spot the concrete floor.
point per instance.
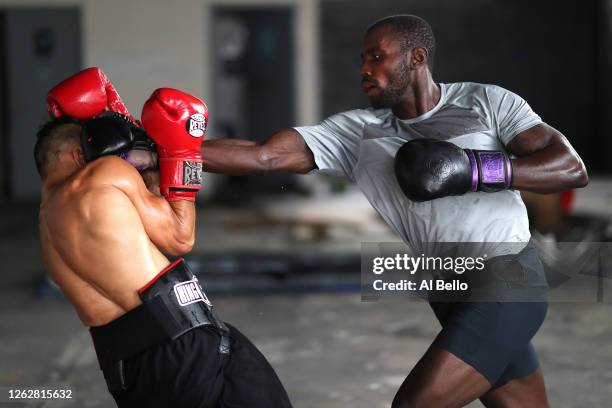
(330, 350)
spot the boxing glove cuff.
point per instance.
(180, 179)
(491, 170)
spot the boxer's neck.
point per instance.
(64, 168)
(55, 179)
(420, 97)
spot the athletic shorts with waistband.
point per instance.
(186, 372)
(495, 337)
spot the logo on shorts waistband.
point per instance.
(190, 292)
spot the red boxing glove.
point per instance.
(85, 95)
(176, 122)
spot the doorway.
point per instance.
(253, 86)
(40, 47)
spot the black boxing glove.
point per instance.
(106, 134)
(112, 133)
(427, 169)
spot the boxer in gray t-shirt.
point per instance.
(484, 349)
(361, 145)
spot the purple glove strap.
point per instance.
(474, 184)
(508, 172)
(495, 168)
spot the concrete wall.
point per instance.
(145, 44)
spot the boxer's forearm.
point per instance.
(283, 151)
(170, 225)
(184, 214)
(546, 162)
(231, 156)
(183, 228)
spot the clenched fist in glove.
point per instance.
(108, 128)
(427, 169)
(176, 121)
(85, 95)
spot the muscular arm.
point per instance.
(283, 151)
(169, 225)
(545, 161)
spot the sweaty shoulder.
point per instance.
(474, 92)
(506, 112)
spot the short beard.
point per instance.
(392, 95)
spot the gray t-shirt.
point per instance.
(361, 145)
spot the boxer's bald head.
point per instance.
(55, 137)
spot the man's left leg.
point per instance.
(440, 379)
(249, 379)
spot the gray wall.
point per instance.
(42, 47)
(146, 44)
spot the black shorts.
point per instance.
(495, 337)
(190, 372)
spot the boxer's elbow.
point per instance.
(574, 169)
(182, 242)
(287, 151)
(582, 178)
(267, 159)
(578, 173)
(179, 247)
(299, 162)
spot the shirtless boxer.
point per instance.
(105, 240)
(432, 191)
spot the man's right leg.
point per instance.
(181, 373)
(249, 380)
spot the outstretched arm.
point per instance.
(545, 161)
(283, 151)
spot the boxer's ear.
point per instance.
(418, 57)
(78, 157)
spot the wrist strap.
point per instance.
(180, 179)
(180, 173)
(491, 170)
